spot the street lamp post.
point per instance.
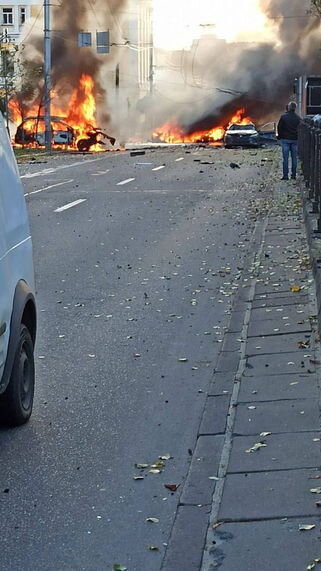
(4, 53)
(47, 73)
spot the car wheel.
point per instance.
(17, 400)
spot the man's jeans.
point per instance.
(289, 147)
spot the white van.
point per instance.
(17, 298)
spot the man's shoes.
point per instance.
(293, 177)
(285, 178)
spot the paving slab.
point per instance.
(277, 416)
(275, 286)
(274, 295)
(275, 239)
(198, 488)
(293, 312)
(227, 361)
(275, 545)
(282, 451)
(231, 342)
(278, 387)
(273, 300)
(214, 417)
(278, 344)
(284, 224)
(295, 362)
(236, 321)
(222, 383)
(273, 327)
(185, 549)
(269, 495)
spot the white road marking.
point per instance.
(125, 181)
(70, 204)
(180, 159)
(51, 186)
(61, 167)
(99, 173)
(158, 168)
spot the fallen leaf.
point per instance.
(303, 344)
(171, 487)
(307, 527)
(158, 464)
(217, 524)
(152, 519)
(141, 466)
(256, 447)
(295, 288)
(153, 471)
(313, 563)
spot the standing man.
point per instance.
(288, 136)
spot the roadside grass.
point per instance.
(27, 155)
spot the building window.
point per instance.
(7, 16)
(22, 16)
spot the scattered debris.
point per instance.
(137, 153)
(256, 447)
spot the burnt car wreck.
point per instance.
(84, 145)
(32, 132)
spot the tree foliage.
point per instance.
(316, 7)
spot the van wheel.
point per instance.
(17, 400)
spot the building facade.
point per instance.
(14, 14)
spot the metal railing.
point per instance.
(310, 157)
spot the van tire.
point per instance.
(17, 400)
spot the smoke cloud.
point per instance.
(69, 61)
(256, 76)
(201, 88)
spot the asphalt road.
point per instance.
(136, 260)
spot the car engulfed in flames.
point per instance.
(32, 132)
(73, 126)
(173, 133)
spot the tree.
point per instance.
(316, 7)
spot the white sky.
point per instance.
(178, 22)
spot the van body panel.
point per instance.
(16, 263)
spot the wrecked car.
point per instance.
(32, 131)
(241, 135)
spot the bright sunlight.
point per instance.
(178, 22)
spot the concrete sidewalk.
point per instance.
(258, 449)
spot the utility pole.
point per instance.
(5, 73)
(47, 73)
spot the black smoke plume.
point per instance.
(256, 76)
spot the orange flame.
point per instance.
(172, 132)
(80, 115)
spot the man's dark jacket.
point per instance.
(288, 126)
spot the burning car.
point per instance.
(241, 135)
(32, 131)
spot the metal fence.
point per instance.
(310, 156)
